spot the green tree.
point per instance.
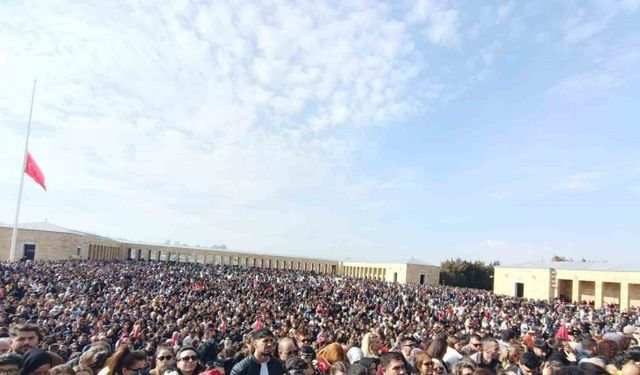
(558, 258)
(467, 274)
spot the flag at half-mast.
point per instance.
(31, 168)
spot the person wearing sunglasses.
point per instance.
(188, 361)
(164, 360)
(125, 361)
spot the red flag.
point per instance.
(563, 333)
(258, 324)
(32, 169)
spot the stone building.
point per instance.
(600, 283)
(46, 241)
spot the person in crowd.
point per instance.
(510, 358)
(529, 364)
(489, 357)
(164, 359)
(338, 368)
(188, 361)
(83, 370)
(392, 363)
(5, 345)
(261, 361)
(73, 308)
(407, 344)
(35, 362)
(439, 367)
(465, 366)
(10, 363)
(125, 361)
(474, 346)
(62, 370)
(24, 337)
(354, 355)
(452, 354)
(298, 366)
(357, 369)
(371, 364)
(371, 345)
(95, 358)
(287, 349)
(424, 364)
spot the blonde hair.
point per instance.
(367, 339)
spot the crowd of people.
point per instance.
(138, 318)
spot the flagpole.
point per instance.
(14, 235)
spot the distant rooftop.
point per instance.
(412, 260)
(45, 226)
(49, 227)
(579, 266)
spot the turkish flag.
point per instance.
(32, 169)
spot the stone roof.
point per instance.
(579, 266)
(49, 227)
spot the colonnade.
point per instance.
(377, 273)
(237, 259)
(105, 252)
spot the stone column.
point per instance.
(598, 294)
(624, 296)
(575, 291)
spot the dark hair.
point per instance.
(588, 344)
(10, 359)
(541, 344)
(482, 371)
(569, 370)
(506, 335)
(123, 357)
(24, 327)
(296, 366)
(185, 348)
(94, 358)
(386, 358)
(530, 360)
(162, 348)
(437, 348)
(306, 350)
(261, 333)
(452, 340)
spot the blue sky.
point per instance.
(369, 130)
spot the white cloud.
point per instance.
(608, 73)
(591, 19)
(439, 20)
(163, 109)
(581, 182)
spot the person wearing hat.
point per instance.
(35, 362)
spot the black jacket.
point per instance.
(249, 366)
